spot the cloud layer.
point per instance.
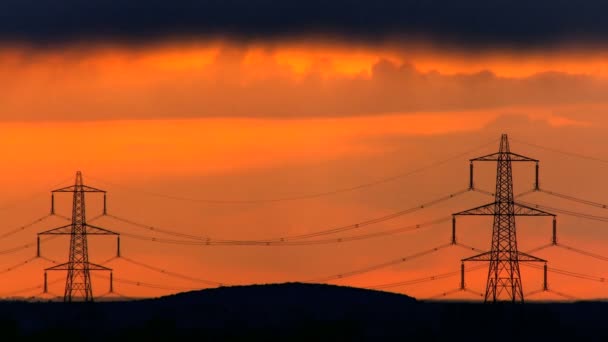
(472, 23)
(231, 84)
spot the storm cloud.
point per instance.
(464, 23)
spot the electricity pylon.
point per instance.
(78, 281)
(504, 280)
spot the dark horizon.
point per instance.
(469, 24)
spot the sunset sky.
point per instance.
(252, 120)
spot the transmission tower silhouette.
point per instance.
(78, 281)
(504, 280)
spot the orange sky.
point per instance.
(215, 120)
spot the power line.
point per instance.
(110, 259)
(375, 220)
(535, 292)
(567, 212)
(569, 273)
(172, 274)
(62, 217)
(444, 294)
(14, 203)
(478, 250)
(144, 284)
(69, 219)
(156, 229)
(478, 294)
(29, 289)
(48, 259)
(394, 231)
(415, 281)
(469, 247)
(14, 267)
(210, 242)
(423, 279)
(24, 227)
(378, 266)
(49, 293)
(117, 294)
(583, 252)
(540, 248)
(161, 240)
(491, 194)
(574, 199)
(561, 294)
(571, 154)
(289, 240)
(448, 293)
(20, 291)
(25, 246)
(308, 196)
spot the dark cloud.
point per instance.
(469, 23)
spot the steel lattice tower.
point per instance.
(78, 281)
(504, 280)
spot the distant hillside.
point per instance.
(299, 312)
(279, 296)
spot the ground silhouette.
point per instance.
(299, 312)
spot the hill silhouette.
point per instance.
(299, 312)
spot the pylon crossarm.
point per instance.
(485, 256)
(83, 188)
(486, 209)
(514, 157)
(95, 230)
(97, 267)
(63, 230)
(66, 267)
(60, 267)
(519, 158)
(523, 257)
(524, 210)
(490, 209)
(489, 157)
